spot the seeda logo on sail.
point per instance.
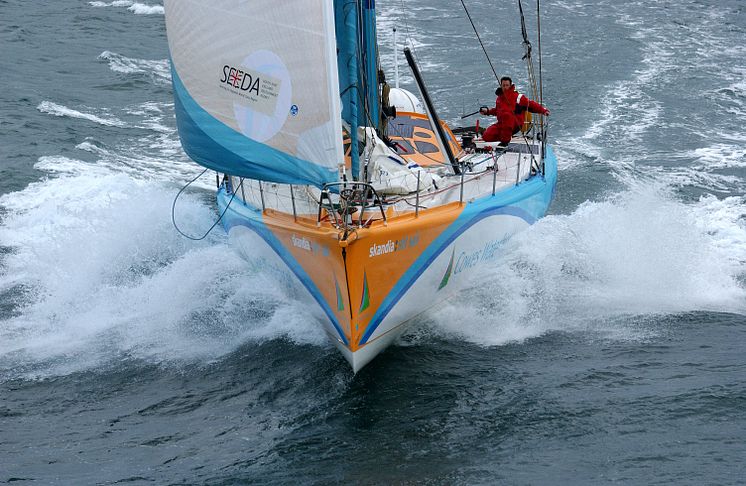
(258, 91)
(239, 79)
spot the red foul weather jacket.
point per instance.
(510, 110)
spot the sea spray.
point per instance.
(637, 253)
(96, 270)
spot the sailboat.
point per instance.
(376, 215)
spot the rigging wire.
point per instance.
(537, 92)
(541, 83)
(409, 34)
(480, 41)
(173, 209)
(363, 79)
(527, 55)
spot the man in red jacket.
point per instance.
(510, 110)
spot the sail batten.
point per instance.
(256, 87)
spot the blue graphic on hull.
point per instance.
(527, 201)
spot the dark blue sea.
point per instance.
(607, 345)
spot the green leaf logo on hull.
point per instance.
(365, 301)
(340, 302)
(447, 275)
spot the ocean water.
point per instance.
(607, 345)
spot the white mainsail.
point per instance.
(256, 87)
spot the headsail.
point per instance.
(256, 87)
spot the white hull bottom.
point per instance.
(364, 355)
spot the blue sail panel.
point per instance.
(212, 144)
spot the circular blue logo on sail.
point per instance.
(294, 110)
(260, 113)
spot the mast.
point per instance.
(346, 27)
(396, 60)
(370, 60)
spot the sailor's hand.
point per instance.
(546, 112)
(484, 110)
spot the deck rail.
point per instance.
(354, 204)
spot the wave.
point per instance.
(159, 70)
(94, 271)
(143, 9)
(135, 7)
(63, 111)
(162, 160)
(115, 3)
(607, 268)
(643, 127)
(152, 151)
(91, 270)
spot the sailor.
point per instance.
(387, 111)
(510, 110)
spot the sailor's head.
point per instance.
(506, 83)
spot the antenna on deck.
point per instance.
(396, 61)
(430, 109)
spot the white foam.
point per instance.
(67, 166)
(115, 3)
(575, 8)
(156, 156)
(719, 156)
(167, 164)
(63, 111)
(154, 116)
(389, 16)
(134, 7)
(607, 267)
(143, 9)
(158, 69)
(106, 275)
(635, 109)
